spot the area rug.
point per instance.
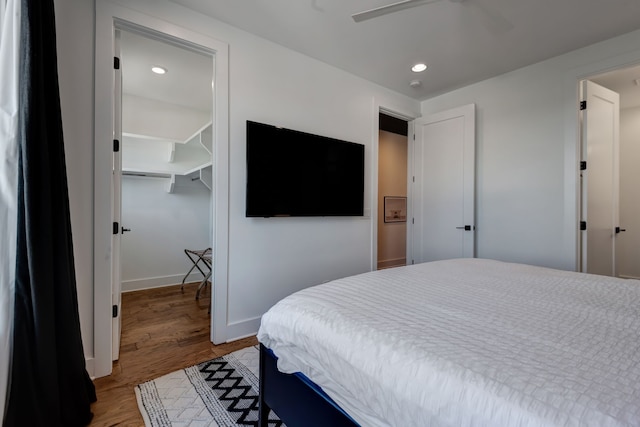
(221, 392)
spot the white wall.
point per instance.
(628, 243)
(162, 225)
(271, 258)
(526, 176)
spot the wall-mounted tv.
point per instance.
(293, 173)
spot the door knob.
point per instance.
(125, 229)
(466, 227)
(619, 230)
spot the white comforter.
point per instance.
(467, 343)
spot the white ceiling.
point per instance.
(187, 82)
(462, 42)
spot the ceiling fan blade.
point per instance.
(391, 8)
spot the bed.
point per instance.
(467, 342)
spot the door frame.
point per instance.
(403, 114)
(110, 17)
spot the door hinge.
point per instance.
(414, 179)
(116, 228)
(583, 165)
(414, 136)
(114, 311)
(116, 145)
(583, 105)
(413, 220)
(583, 225)
(116, 63)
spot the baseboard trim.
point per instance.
(624, 276)
(158, 282)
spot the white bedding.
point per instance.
(467, 342)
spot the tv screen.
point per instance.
(292, 173)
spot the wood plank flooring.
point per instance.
(163, 330)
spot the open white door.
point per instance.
(600, 178)
(116, 203)
(444, 185)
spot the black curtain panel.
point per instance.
(49, 384)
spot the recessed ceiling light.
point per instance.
(419, 68)
(158, 70)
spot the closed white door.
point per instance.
(600, 178)
(444, 186)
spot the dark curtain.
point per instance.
(49, 384)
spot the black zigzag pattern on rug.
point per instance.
(235, 393)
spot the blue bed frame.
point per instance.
(295, 398)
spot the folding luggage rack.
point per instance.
(201, 260)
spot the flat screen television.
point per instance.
(293, 173)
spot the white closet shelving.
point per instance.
(151, 156)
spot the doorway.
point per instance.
(166, 164)
(626, 241)
(392, 191)
(166, 159)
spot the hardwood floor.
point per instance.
(163, 330)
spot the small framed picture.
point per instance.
(395, 209)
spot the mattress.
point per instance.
(467, 342)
